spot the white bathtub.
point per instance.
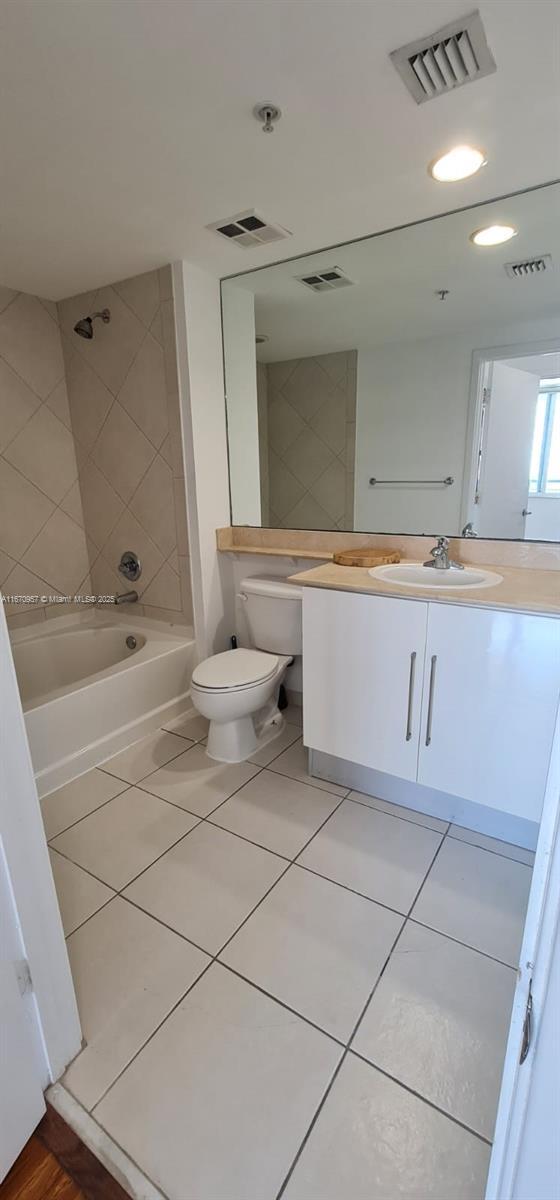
(86, 694)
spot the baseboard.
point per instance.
(519, 831)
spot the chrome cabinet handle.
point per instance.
(431, 700)
(410, 695)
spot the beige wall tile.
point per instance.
(7, 564)
(26, 583)
(128, 534)
(89, 400)
(164, 591)
(122, 452)
(101, 505)
(17, 404)
(30, 343)
(153, 505)
(165, 283)
(23, 511)
(114, 346)
(144, 394)
(71, 504)
(44, 452)
(141, 293)
(169, 347)
(59, 404)
(6, 297)
(58, 554)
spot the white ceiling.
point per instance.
(126, 126)
(396, 277)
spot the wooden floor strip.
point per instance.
(56, 1165)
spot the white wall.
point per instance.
(412, 412)
(203, 418)
(238, 314)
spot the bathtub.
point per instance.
(86, 694)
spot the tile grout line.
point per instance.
(475, 1133)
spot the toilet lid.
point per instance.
(235, 669)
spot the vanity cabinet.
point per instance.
(457, 698)
(363, 661)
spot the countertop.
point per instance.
(522, 589)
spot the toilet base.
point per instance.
(234, 741)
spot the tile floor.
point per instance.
(286, 989)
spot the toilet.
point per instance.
(238, 690)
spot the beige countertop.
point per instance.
(522, 589)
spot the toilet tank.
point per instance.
(273, 608)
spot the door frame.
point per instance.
(22, 835)
(480, 361)
(513, 1149)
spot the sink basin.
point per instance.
(415, 575)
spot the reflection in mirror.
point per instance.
(405, 383)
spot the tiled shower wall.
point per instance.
(43, 547)
(124, 408)
(311, 436)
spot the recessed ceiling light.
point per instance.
(493, 235)
(458, 163)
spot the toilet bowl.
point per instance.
(237, 690)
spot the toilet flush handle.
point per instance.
(242, 596)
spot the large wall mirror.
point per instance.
(404, 383)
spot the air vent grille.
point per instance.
(326, 280)
(457, 54)
(249, 229)
(529, 266)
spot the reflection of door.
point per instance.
(506, 453)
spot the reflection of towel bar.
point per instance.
(447, 481)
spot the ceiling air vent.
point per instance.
(325, 281)
(249, 229)
(457, 54)
(529, 266)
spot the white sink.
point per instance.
(416, 575)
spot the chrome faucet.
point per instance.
(125, 598)
(440, 559)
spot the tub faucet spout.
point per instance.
(125, 598)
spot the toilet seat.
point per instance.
(234, 670)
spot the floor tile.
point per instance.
(206, 885)
(79, 894)
(217, 1103)
(490, 843)
(380, 856)
(438, 1022)
(288, 734)
(373, 1140)
(397, 810)
(129, 972)
(198, 783)
(316, 947)
(77, 799)
(293, 762)
(478, 898)
(145, 756)
(276, 812)
(125, 836)
(190, 725)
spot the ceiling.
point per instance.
(126, 126)
(396, 277)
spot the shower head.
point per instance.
(84, 327)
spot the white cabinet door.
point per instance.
(494, 679)
(363, 659)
